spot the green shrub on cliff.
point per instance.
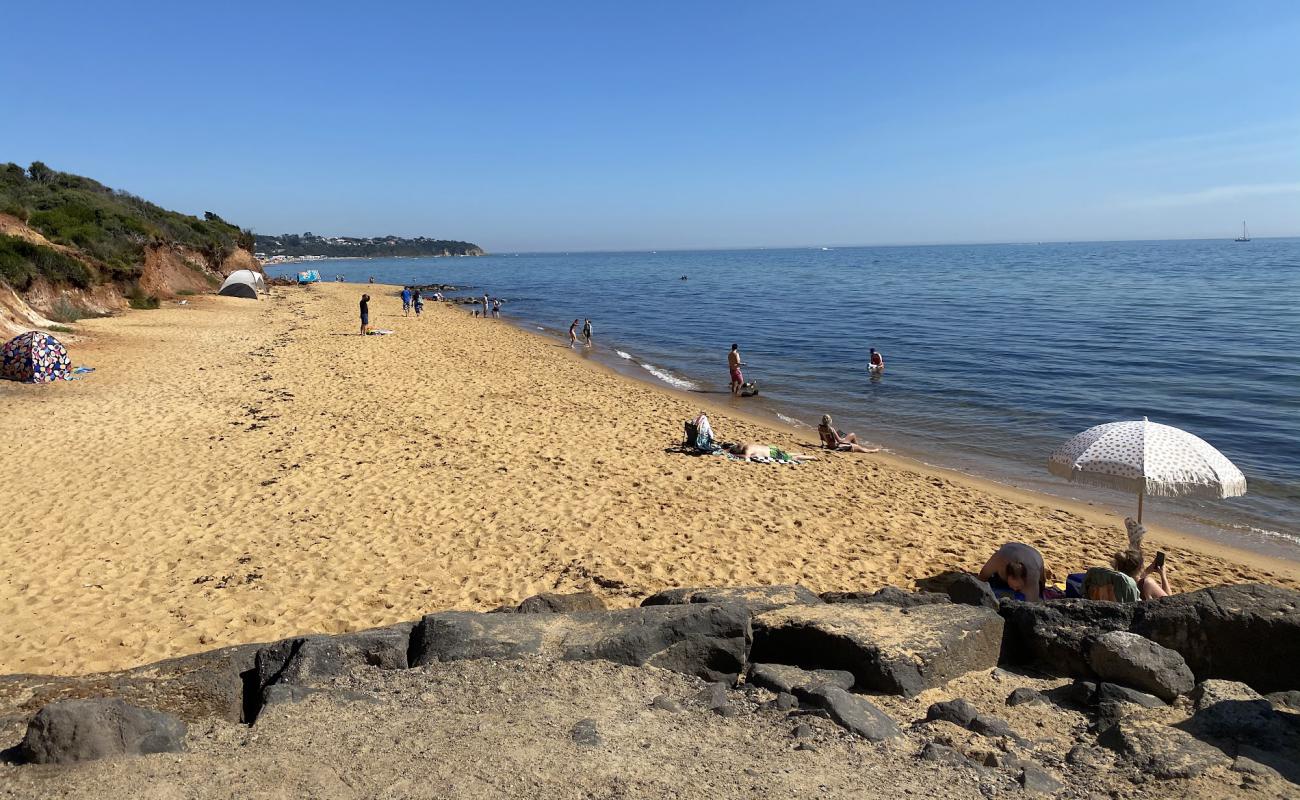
(21, 262)
(112, 227)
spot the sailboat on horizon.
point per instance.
(1244, 237)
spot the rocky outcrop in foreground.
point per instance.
(1114, 695)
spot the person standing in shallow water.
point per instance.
(485, 305)
(734, 364)
(586, 332)
(573, 333)
(365, 314)
(496, 308)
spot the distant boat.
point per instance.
(1244, 237)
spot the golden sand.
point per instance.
(241, 471)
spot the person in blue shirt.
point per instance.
(406, 301)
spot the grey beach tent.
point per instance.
(243, 283)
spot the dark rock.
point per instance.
(943, 754)
(1289, 699)
(1132, 660)
(665, 703)
(1212, 691)
(1160, 750)
(962, 714)
(1081, 693)
(561, 603)
(461, 635)
(809, 746)
(856, 714)
(714, 696)
(1035, 780)
(83, 730)
(194, 687)
(710, 641)
(1114, 693)
(757, 598)
(1056, 635)
(1250, 766)
(970, 590)
(309, 660)
(1248, 633)
(1026, 696)
(888, 649)
(585, 734)
(1244, 721)
(803, 731)
(785, 702)
(1082, 755)
(785, 678)
(890, 596)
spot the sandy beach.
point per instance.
(240, 471)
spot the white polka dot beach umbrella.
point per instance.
(1147, 458)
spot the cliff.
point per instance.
(71, 247)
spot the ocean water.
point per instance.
(995, 354)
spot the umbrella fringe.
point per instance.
(1212, 491)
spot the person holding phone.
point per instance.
(1152, 582)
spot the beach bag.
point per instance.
(699, 434)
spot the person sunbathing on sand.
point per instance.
(833, 439)
(1017, 567)
(750, 451)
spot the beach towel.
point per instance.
(378, 332)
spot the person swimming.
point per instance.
(876, 363)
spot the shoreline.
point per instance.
(248, 471)
(1100, 515)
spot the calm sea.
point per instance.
(996, 353)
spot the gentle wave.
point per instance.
(798, 423)
(668, 377)
(621, 354)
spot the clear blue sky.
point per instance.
(612, 125)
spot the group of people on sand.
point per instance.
(586, 333)
(411, 298)
(1017, 569)
(489, 306)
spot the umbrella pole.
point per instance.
(1140, 496)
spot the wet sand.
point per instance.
(240, 471)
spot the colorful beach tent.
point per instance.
(35, 357)
(1147, 458)
(239, 286)
(309, 276)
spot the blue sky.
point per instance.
(607, 125)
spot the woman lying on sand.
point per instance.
(763, 452)
(833, 439)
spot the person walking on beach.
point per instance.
(573, 333)
(406, 301)
(734, 364)
(496, 308)
(418, 302)
(365, 314)
(876, 363)
(586, 332)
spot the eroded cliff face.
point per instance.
(167, 272)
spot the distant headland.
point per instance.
(295, 246)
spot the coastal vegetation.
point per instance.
(295, 245)
(108, 228)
